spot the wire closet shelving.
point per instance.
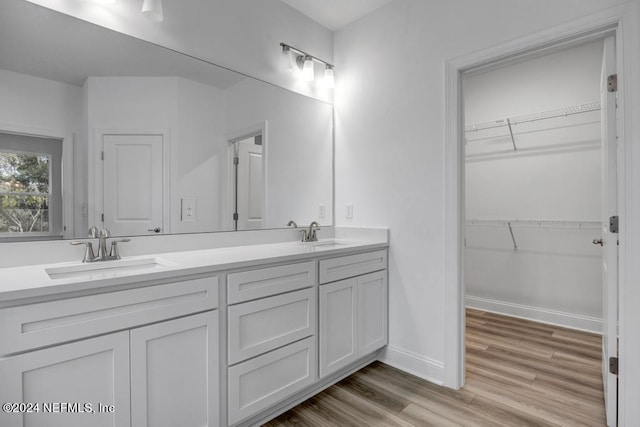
(510, 122)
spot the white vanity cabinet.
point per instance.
(271, 339)
(159, 350)
(353, 311)
(61, 380)
(159, 374)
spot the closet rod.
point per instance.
(542, 115)
(532, 223)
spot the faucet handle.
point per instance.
(304, 235)
(93, 232)
(89, 256)
(105, 233)
(114, 248)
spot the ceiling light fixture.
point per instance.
(152, 9)
(305, 63)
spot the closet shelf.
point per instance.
(542, 115)
(533, 223)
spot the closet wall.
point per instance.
(544, 266)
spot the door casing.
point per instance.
(621, 21)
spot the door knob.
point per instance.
(598, 242)
(155, 230)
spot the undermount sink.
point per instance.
(326, 243)
(106, 269)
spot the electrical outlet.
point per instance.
(321, 211)
(348, 211)
(189, 209)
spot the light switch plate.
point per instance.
(189, 210)
(348, 210)
(321, 211)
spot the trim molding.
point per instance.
(413, 363)
(537, 314)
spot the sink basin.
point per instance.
(325, 243)
(106, 269)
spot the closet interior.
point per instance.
(533, 188)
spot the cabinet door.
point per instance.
(70, 382)
(372, 312)
(174, 372)
(338, 302)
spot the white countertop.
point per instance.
(34, 281)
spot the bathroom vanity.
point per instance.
(228, 336)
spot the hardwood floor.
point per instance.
(519, 373)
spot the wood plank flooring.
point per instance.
(519, 373)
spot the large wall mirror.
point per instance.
(99, 128)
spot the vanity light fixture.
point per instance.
(308, 69)
(152, 9)
(329, 80)
(306, 64)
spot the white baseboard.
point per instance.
(543, 315)
(415, 364)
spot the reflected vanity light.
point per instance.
(152, 9)
(305, 63)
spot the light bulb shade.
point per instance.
(152, 9)
(307, 69)
(287, 60)
(329, 79)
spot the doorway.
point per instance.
(248, 183)
(455, 226)
(534, 197)
(134, 188)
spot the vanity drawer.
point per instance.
(258, 383)
(264, 282)
(352, 265)
(38, 325)
(259, 326)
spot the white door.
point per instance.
(372, 312)
(67, 378)
(174, 373)
(338, 325)
(250, 184)
(609, 240)
(133, 184)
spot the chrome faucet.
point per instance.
(310, 234)
(102, 244)
(292, 223)
(102, 236)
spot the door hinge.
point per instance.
(102, 155)
(235, 216)
(613, 224)
(612, 83)
(236, 160)
(102, 217)
(613, 365)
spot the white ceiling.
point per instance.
(335, 14)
